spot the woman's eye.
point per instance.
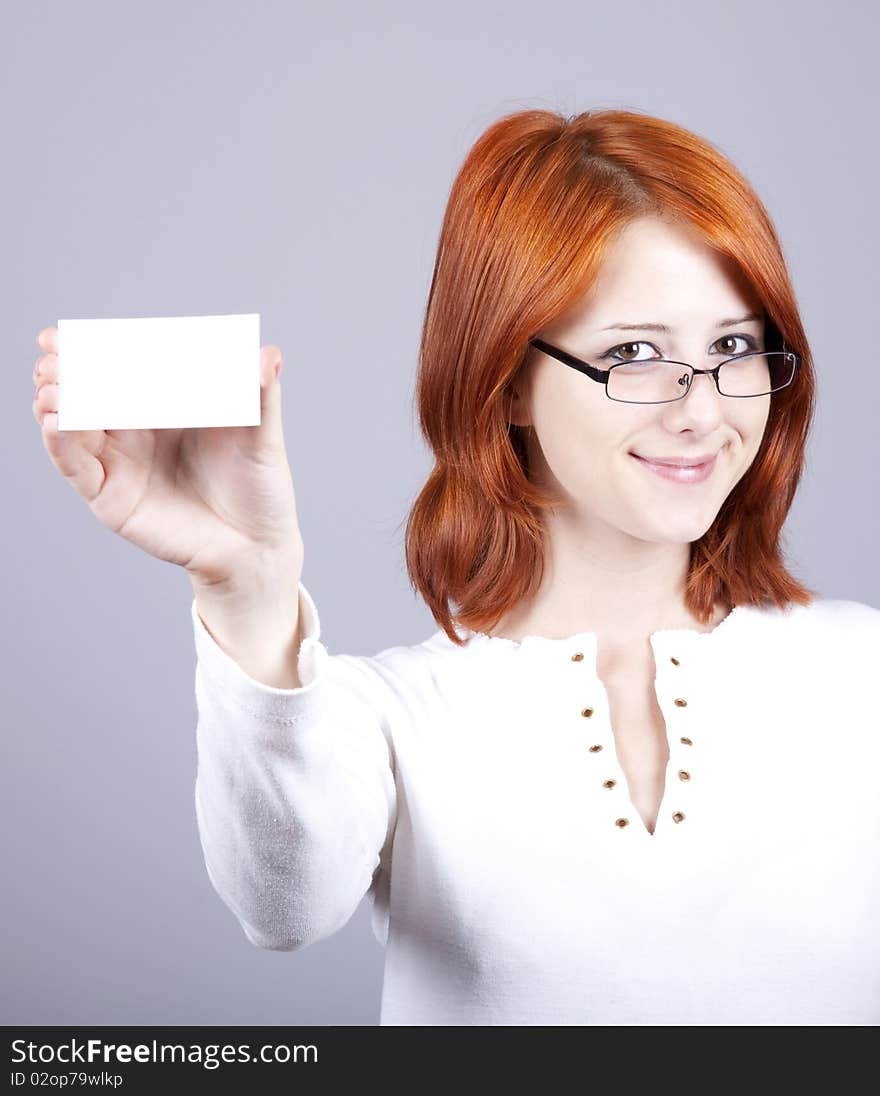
(747, 339)
(621, 353)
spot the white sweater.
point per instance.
(476, 795)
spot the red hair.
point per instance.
(533, 209)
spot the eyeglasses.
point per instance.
(654, 380)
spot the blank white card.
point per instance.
(159, 372)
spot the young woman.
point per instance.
(632, 777)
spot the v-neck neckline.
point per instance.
(693, 644)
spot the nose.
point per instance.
(693, 379)
(702, 407)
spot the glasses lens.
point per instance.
(756, 374)
(650, 381)
(655, 381)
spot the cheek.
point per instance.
(574, 432)
(585, 461)
(749, 427)
(753, 425)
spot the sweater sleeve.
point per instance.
(295, 795)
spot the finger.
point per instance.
(45, 400)
(46, 369)
(47, 340)
(270, 392)
(75, 453)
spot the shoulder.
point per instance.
(827, 631)
(432, 656)
(405, 676)
(839, 616)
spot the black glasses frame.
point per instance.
(601, 375)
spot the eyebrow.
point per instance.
(749, 318)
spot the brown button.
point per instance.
(678, 817)
(681, 703)
(674, 661)
(587, 712)
(621, 822)
(683, 774)
(686, 741)
(609, 783)
(577, 657)
(595, 749)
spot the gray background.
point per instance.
(200, 158)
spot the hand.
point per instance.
(218, 501)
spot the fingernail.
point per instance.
(278, 369)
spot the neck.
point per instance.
(615, 585)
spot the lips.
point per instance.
(687, 472)
(678, 462)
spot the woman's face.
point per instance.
(583, 443)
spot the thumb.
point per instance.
(271, 359)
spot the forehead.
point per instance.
(660, 271)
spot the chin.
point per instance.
(677, 528)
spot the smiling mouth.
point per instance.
(681, 472)
(679, 462)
